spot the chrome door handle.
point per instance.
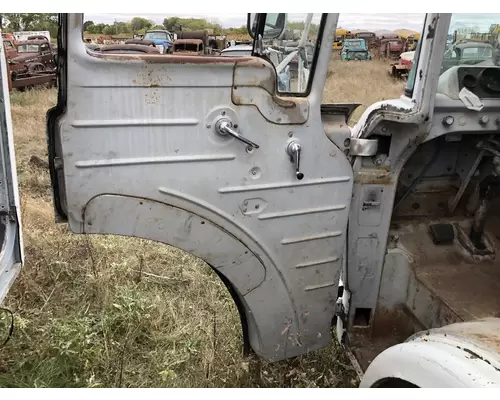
(293, 150)
(225, 127)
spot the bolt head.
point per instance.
(484, 120)
(448, 121)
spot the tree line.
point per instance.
(48, 22)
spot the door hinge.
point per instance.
(363, 147)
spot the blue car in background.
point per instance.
(355, 49)
(161, 38)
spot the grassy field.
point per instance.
(85, 316)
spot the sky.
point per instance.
(347, 21)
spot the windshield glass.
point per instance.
(355, 43)
(472, 39)
(187, 47)
(7, 44)
(28, 48)
(156, 36)
(475, 39)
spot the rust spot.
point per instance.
(170, 59)
(375, 177)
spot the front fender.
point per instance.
(434, 361)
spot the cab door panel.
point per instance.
(11, 246)
(141, 157)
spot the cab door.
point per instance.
(203, 153)
(11, 253)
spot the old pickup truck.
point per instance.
(33, 56)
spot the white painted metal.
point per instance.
(457, 355)
(12, 255)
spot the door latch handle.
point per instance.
(225, 127)
(293, 150)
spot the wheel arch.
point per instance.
(253, 284)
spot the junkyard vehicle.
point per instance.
(403, 66)
(387, 230)
(142, 42)
(128, 49)
(9, 48)
(390, 48)
(238, 50)
(340, 36)
(188, 46)
(368, 36)
(35, 55)
(163, 39)
(25, 35)
(469, 52)
(408, 37)
(355, 49)
(34, 64)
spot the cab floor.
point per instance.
(470, 287)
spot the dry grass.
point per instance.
(86, 317)
(360, 82)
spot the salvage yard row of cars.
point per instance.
(32, 58)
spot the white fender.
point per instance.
(458, 355)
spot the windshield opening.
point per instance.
(28, 48)
(156, 36)
(472, 39)
(356, 43)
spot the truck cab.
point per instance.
(161, 38)
(38, 52)
(468, 52)
(355, 49)
(382, 235)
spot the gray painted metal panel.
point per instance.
(141, 157)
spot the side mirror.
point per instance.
(274, 27)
